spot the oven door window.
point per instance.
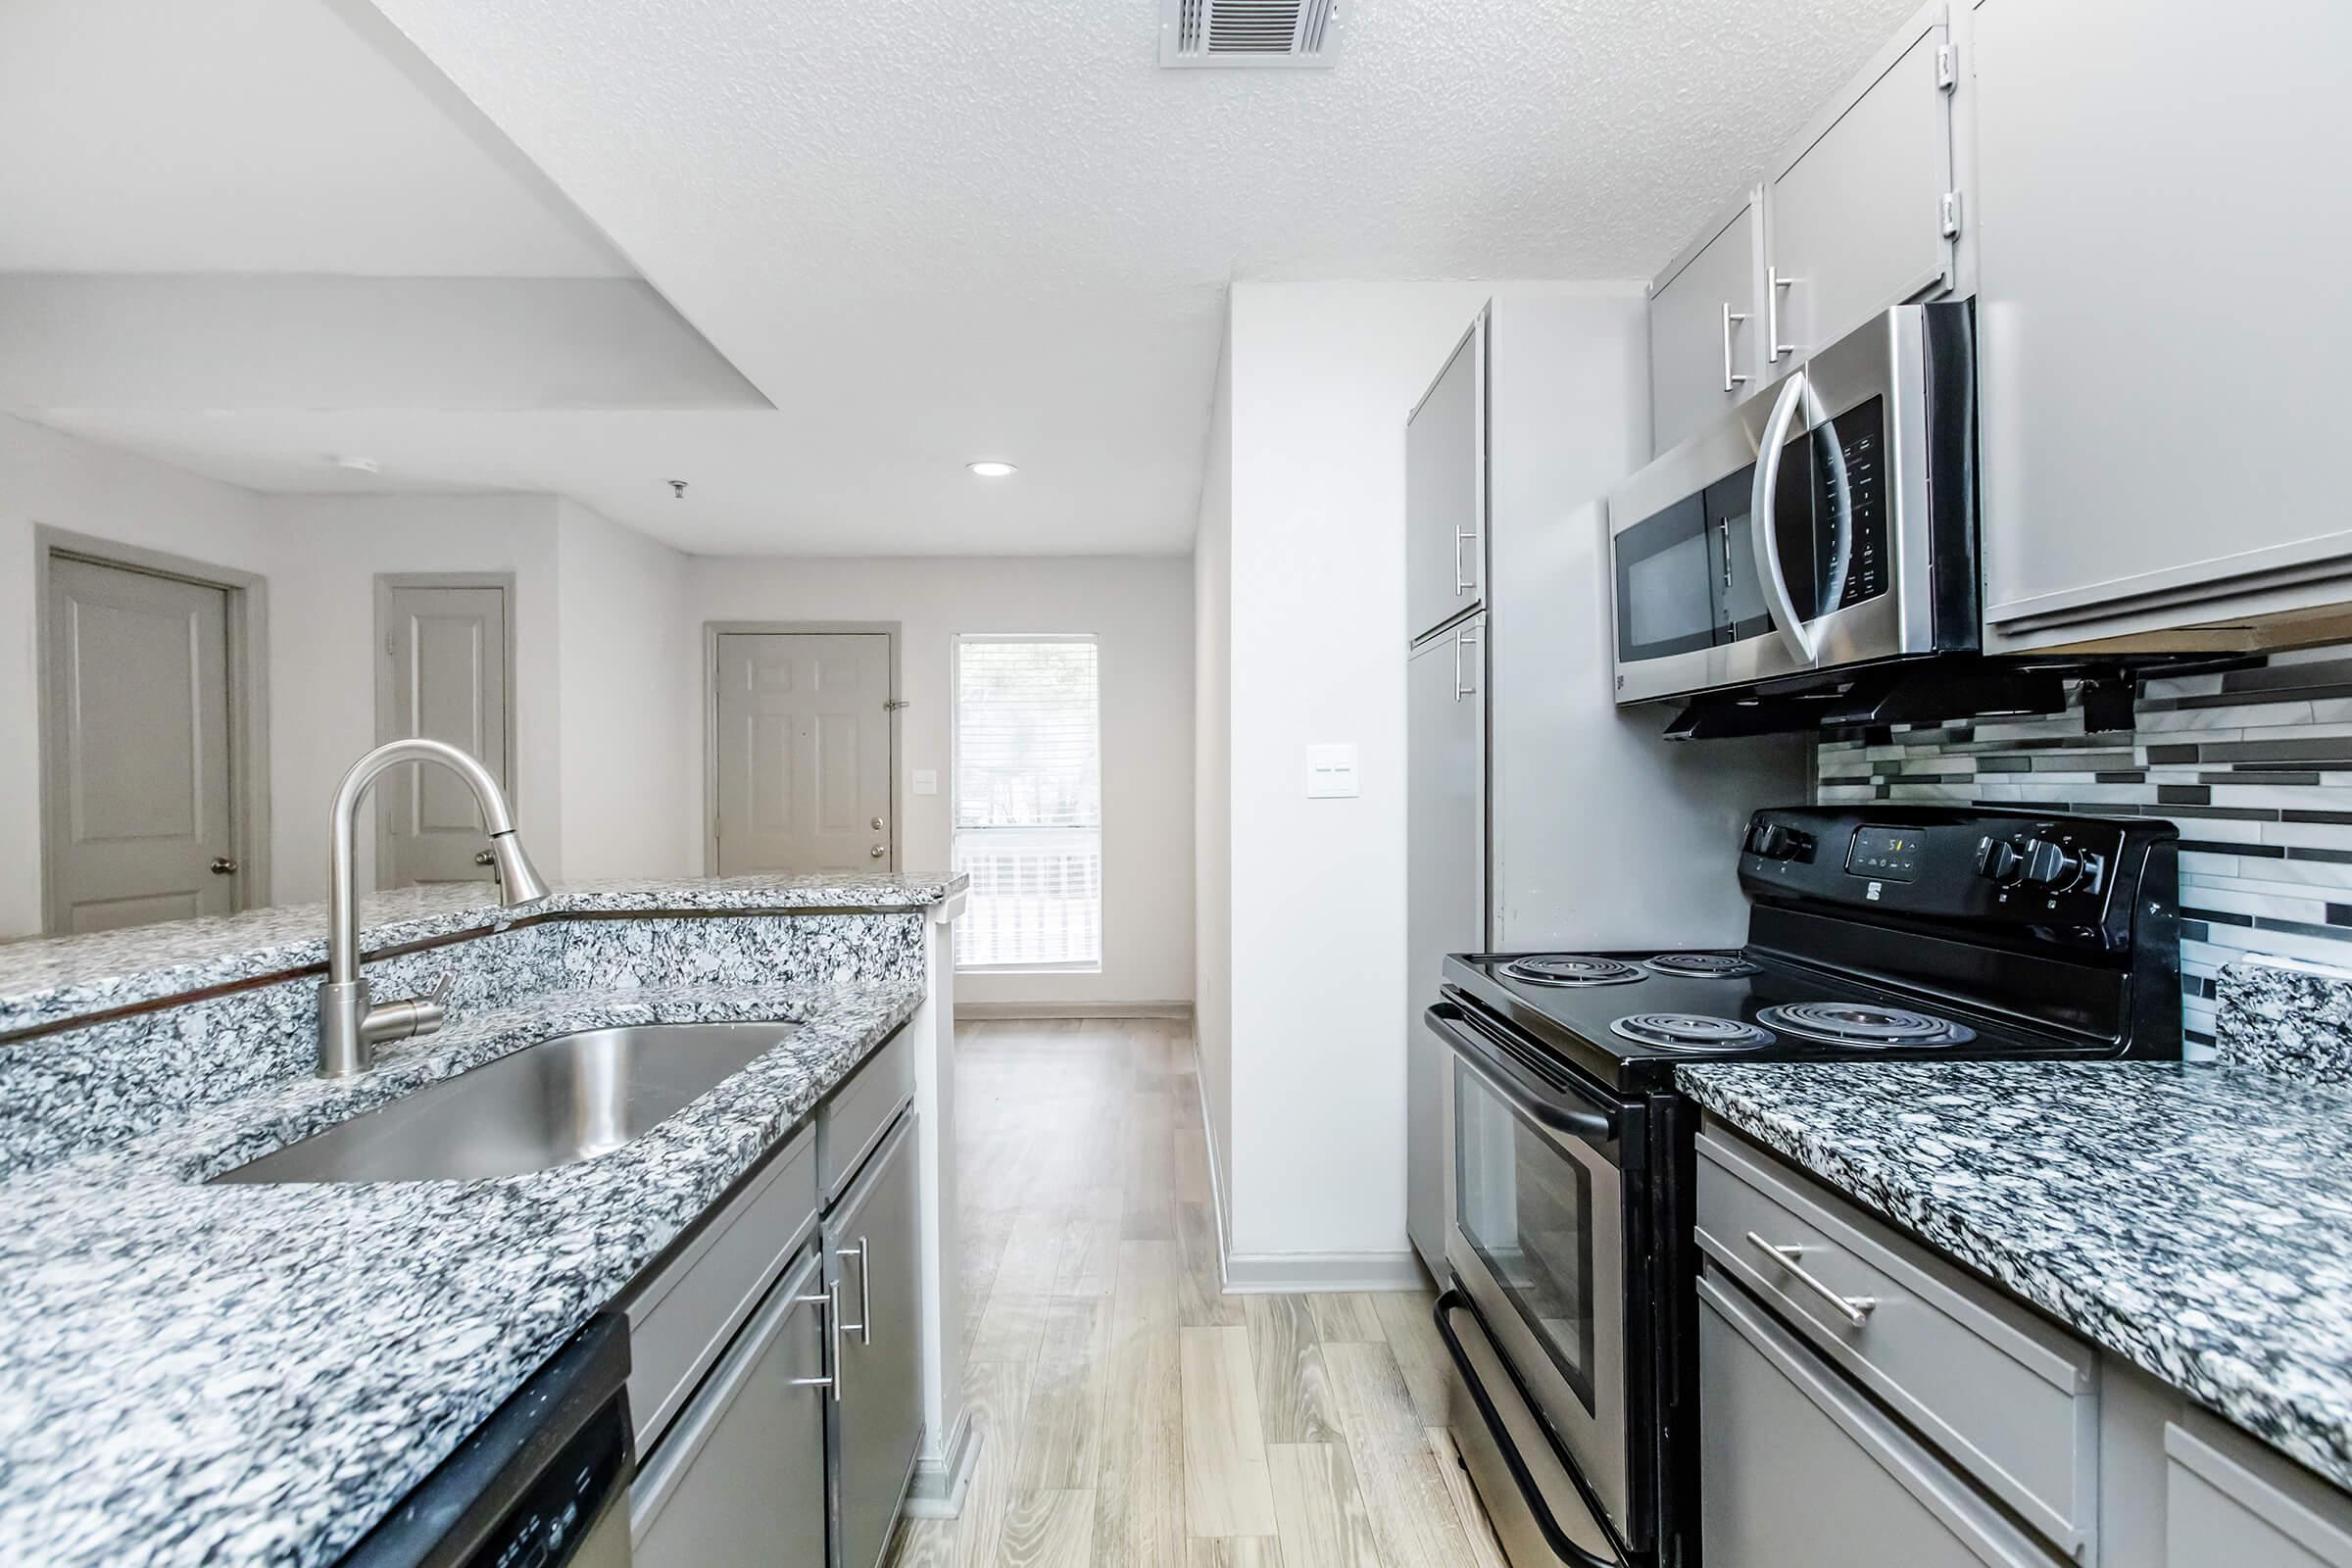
(1669, 570)
(1524, 1203)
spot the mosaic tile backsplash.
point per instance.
(2254, 765)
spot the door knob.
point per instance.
(877, 852)
(877, 824)
(223, 866)
(484, 857)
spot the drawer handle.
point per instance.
(829, 1302)
(1855, 1309)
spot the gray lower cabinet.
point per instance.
(1800, 1470)
(872, 1269)
(2225, 1503)
(740, 1478)
(2161, 223)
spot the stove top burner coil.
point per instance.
(1571, 969)
(1701, 965)
(1690, 1031)
(1865, 1026)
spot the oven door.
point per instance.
(1538, 1245)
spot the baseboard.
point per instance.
(977, 1012)
(1216, 1168)
(1278, 1273)
(938, 1484)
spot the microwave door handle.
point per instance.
(1538, 1508)
(1767, 543)
(1543, 1105)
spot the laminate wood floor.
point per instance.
(1132, 1413)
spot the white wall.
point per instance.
(1322, 377)
(56, 480)
(323, 654)
(629, 757)
(1213, 776)
(1140, 609)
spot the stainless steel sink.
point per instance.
(545, 1106)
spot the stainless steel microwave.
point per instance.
(1828, 523)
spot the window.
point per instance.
(1029, 803)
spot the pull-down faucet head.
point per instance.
(349, 1027)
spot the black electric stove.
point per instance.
(1876, 934)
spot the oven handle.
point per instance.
(1568, 1552)
(1544, 1104)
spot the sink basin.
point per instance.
(548, 1104)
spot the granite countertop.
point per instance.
(255, 1374)
(2194, 1219)
(46, 982)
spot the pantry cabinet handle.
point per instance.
(1855, 1309)
(1731, 383)
(1465, 638)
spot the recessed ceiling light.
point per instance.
(991, 468)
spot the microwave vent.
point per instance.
(1248, 32)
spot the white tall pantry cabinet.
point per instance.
(1540, 815)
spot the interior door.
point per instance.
(445, 678)
(803, 752)
(141, 822)
(1446, 490)
(1445, 854)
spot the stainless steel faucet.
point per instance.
(350, 1026)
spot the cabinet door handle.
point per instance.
(828, 1302)
(1463, 581)
(1774, 282)
(1466, 637)
(865, 1295)
(1855, 1309)
(1731, 383)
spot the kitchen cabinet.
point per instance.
(2162, 219)
(1864, 209)
(741, 1477)
(873, 1271)
(1446, 490)
(1705, 327)
(1797, 1467)
(1862, 212)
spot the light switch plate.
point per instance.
(1331, 774)
(926, 781)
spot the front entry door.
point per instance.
(443, 650)
(140, 820)
(803, 752)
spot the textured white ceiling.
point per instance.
(257, 136)
(930, 229)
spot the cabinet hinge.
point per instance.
(1951, 215)
(1948, 68)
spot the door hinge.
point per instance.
(391, 647)
(1948, 68)
(1951, 214)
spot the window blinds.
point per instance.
(1029, 803)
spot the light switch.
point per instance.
(926, 781)
(1330, 772)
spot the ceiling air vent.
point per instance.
(1248, 32)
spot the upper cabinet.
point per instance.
(1446, 490)
(2162, 318)
(1863, 211)
(1704, 327)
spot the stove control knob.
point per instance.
(2052, 866)
(1774, 842)
(1998, 861)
